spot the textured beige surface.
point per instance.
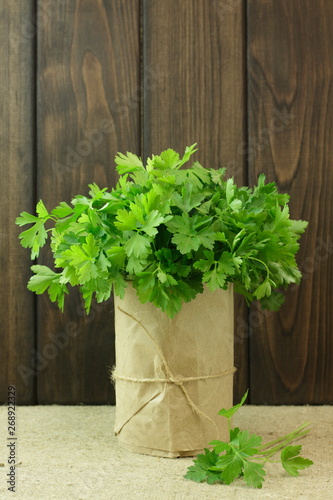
(69, 452)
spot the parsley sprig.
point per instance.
(245, 456)
(170, 231)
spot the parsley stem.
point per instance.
(283, 438)
(283, 442)
(261, 262)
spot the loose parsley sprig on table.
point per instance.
(244, 455)
(170, 231)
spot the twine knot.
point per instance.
(177, 381)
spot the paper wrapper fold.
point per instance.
(172, 376)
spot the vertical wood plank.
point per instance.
(290, 139)
(88, 109)
(17, 157)
(195, 51)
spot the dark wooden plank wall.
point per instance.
(290, 116)
(250, 82)
(17, 164)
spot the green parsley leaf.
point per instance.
(186, 243)
(41, 210)
(46, 279)
(83, 258)
(26, 218)
(292, 462)
(167, 160)
(254, 474)
(188, 199)
(201, 470)
(217, 175)
(189, 151)
(126, 221)
(214, 279)
(63, 210)
(205, 264)
(116, 256)
(248, 443)
(120, 285)
(137, 246)
(128, 163)
(134, 266)
(43, 278)
(231, 411)
(146, 281)
(262, 290)
(153, 220)
(230, 466)
(34, 238)
(207, 237)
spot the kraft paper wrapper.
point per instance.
(158, 418)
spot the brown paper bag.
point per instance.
(173, 375)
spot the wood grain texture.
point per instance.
(194, 50)
(95, 99)
(88, 109)
(17, 136)
(290, 139)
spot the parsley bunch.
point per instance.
(244, 456)
(170, 231)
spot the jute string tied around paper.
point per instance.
(171, 378)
